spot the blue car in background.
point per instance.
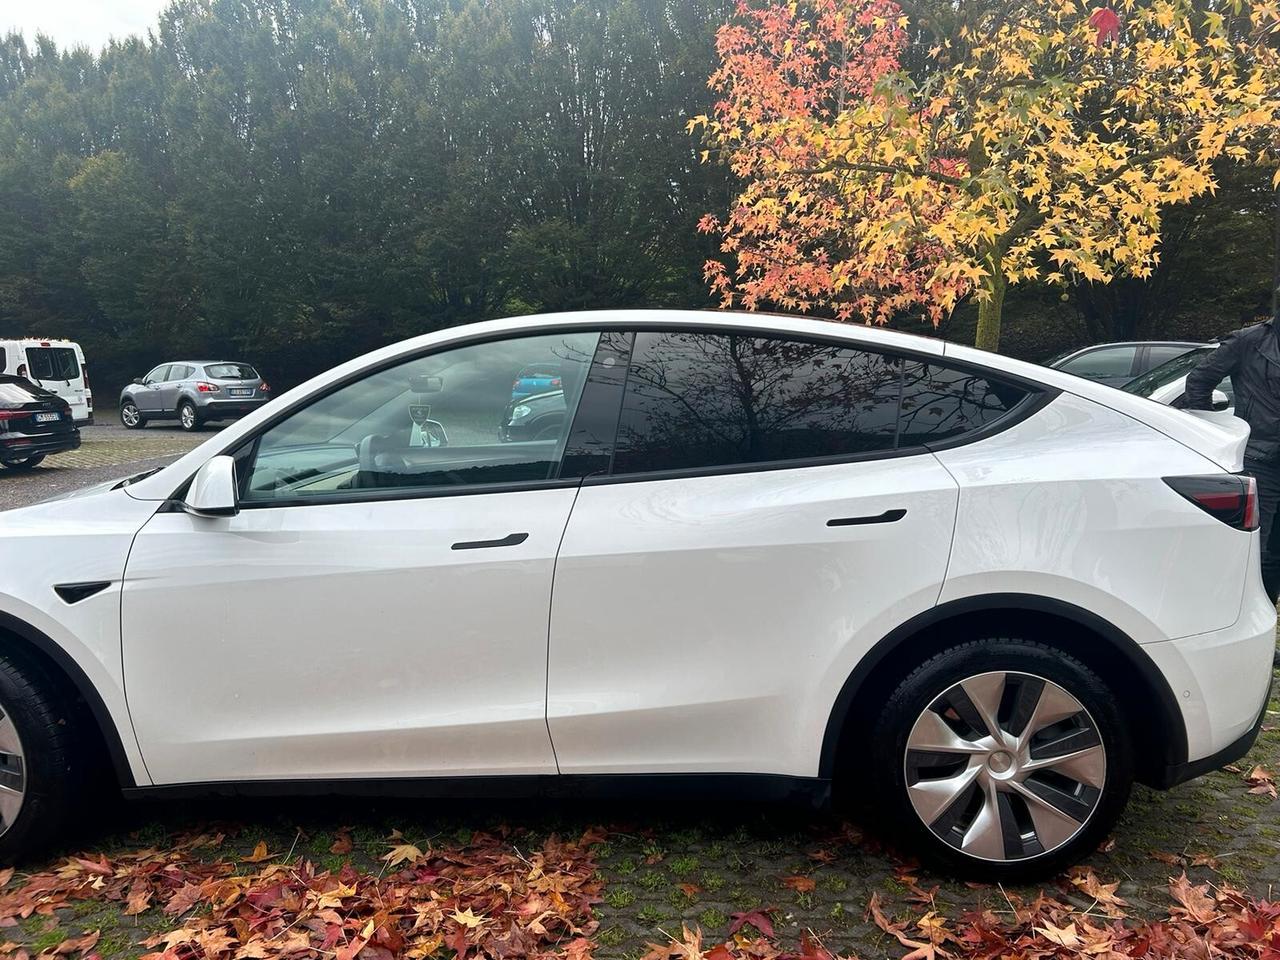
(536, 378)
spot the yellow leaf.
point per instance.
(259, 853)
(401, 852)
(468, 919)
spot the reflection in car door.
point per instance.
(758, 534)
(392, 627)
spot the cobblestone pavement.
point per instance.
(107, 450)
(666, 864)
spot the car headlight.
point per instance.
(520, 411)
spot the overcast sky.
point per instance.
(86, 22)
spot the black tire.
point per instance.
(131, 416)
(26, 463)
(924, 689)
(188, 417)
(58, 776)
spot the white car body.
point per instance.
(41, 360)
(697, 624)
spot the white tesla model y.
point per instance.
(696, 551)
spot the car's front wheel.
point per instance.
(131, 416)
(42, 771)
(1002, 759)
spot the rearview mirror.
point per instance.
(138, 381)
(1220, 401)
(424, 384)
(212, 492)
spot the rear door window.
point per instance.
(697, 400)
(179, 372)
(53, 363)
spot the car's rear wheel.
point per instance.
(1002, 759)
(43, 775)
(188, 419)
(26, 463)
(131, 416)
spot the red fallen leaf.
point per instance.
(810, 949)
(758, 918)
(343, 844)
(718, 952)
(690, 890)
(800, 884)
(817, 856)
(1107, 24)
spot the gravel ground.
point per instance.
(107, 450)
(664, 865)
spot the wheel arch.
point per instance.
(57, 662)
(1151, 711)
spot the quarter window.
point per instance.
(697, 400)
(447, 420)
(940, 403)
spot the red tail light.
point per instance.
(14, 414)
(203, 387)
(1229, 498)
(84, 371)
(264, 387)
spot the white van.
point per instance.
(56, 365)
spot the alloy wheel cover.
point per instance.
(13, 771)
(1005, 766)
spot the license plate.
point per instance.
(241, 392)
(47, 417)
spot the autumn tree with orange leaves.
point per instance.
(1023, 140)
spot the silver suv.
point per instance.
(193, 392)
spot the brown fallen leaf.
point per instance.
(800, 884)
(690, 890)
(1262, 780)
(343, 844)
(259, 853)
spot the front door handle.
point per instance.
(889, 516)
(510, 540)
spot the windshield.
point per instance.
(231, 371)
(1167, 372)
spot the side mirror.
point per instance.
(1220, 401)
(213, 489)
(423, 384)
(138, 381)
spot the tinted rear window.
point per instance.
(230, 371)
(710, 399)
(939, 403)
(52, 363)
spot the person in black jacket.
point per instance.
(1251, 358)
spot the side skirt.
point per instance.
(808, 791)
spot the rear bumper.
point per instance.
(220, 409)
(21, 446)
(1222, 683)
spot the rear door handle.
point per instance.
(510, 540)
(889, 516)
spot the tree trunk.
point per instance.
(989, 311)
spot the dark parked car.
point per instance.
(33, 423)
(193, 392)
(533, 418)
(1116, 364)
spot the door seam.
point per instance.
(551, 599)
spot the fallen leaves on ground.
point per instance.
(486, 899)
(1203, 922)
(1261, 781)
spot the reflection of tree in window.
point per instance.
(938, 402)
(701, 399)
